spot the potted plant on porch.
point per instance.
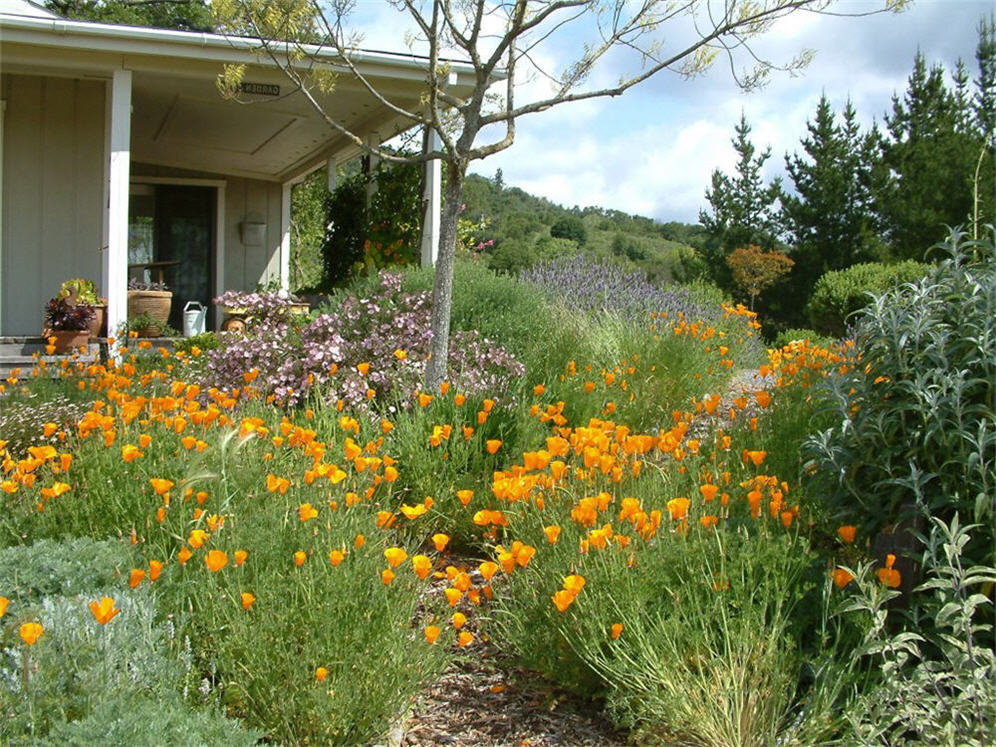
(82, 292)
(149, 299)
(66, 324)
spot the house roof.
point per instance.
(178, 117)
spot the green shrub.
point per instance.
(791, 335)
(498, 306)
(78, 664)
(840, 293)
(142, 722)
(71, 567)
(204, 341)
(917, 410)
(935, 685)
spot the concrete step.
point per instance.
(24, 352)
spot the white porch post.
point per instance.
(115, 270)
(285, 235)
(432, 199)
(373, 140)
(330, 167)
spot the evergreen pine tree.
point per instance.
(928, 159)
(827, 218)
(743, 208)
(984, 112)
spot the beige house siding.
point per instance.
(53, 174)
(252, 199)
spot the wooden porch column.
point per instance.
(330, 169)
(431, 201)
(115, 269)
(285, 235)
(373, 140)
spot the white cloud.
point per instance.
(652, 151)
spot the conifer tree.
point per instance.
(928, 157)
(743, 208)
(827, 218)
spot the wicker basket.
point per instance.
(154, 303)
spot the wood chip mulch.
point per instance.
(484, 701)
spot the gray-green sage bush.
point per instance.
(917, 408)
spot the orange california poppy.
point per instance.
(458, 620)
(336, 557)
(4, 602)
(215, 560)
(888, 575)
(321, 673)
(395, 556)
(421, 564)
(841, 578)
(617, 629)
(155, 569)
(130, 452)
(488, 569)
(465, 639)
(103, 611)
(30, 632)
(492, 445)
(307, 512)
(197, 538)
(184, 555)
(440, 541)
(563, 599)
(431, 633)
(386, 576)
(299, 557)
(240, 557)
(846, 533)
(247, 600)
(465, 496)
(135, 577)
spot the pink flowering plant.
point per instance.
(297, 357)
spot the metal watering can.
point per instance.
(194, 319)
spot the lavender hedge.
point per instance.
(592, 285)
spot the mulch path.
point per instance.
(484, 701)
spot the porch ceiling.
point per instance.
(180, 120)
(184, 122)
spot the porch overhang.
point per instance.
(163, 109)
(180, 120)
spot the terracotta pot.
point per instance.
(98, 325)
(154, 303)
(151, 331)
(66, 340)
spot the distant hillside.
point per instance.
(513, 228)
(524, 229)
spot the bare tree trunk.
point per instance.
(442, 292)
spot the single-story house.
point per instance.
(117, 151)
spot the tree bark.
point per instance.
(442, 291)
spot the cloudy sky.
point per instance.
(652, 151)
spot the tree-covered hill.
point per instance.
(518, 229)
